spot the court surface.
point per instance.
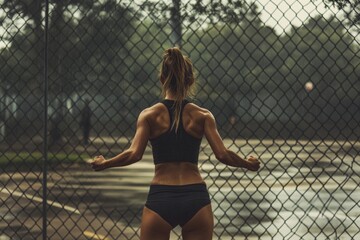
(304, 190)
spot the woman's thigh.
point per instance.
(200, 226)
(154, 227)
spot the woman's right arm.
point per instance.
(224, 155)
(134, 153)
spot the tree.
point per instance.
(86, 41)
(86, 49)
(30, 10)
(199, 11)
(320, 51)
(351, 9)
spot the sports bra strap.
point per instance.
(170, 107)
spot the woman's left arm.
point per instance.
(134, 153)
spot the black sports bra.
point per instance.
(173, 146)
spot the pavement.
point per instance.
(304, 190)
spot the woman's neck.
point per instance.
(169, 96)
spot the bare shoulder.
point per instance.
(198, 112)
(152, 111)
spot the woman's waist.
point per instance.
(175, 159)
(177, 174)
(176, 182)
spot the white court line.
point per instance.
(305, 186)
(144, 188)
(38, 199)
(341, 216)
(93, 235)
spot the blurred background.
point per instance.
(74, 75)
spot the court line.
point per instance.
(303, 186)
(339, 215)
(38, 199)
(95, 235)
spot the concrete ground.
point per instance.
(304, 190)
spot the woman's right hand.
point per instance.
(98, 163)
(253, 163)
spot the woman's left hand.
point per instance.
(98, 163)
(253, 163)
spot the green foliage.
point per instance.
(351, 10)
(18, 68)
(90, 46)
(106, 46)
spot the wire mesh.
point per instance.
(282, 80)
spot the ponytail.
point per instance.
(176, 75)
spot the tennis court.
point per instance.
(304, 188)
(281, 78)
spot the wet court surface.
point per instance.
(304, 190)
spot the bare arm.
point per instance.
(133, 154)
(224, 155)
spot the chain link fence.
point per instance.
(281, 78)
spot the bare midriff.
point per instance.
(181, 173)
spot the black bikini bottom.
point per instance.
(177, 204)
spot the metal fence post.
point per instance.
(45, 145)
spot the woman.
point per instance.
(175, 127)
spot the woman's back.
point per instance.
(192, 119)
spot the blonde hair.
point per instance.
(177, 76)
